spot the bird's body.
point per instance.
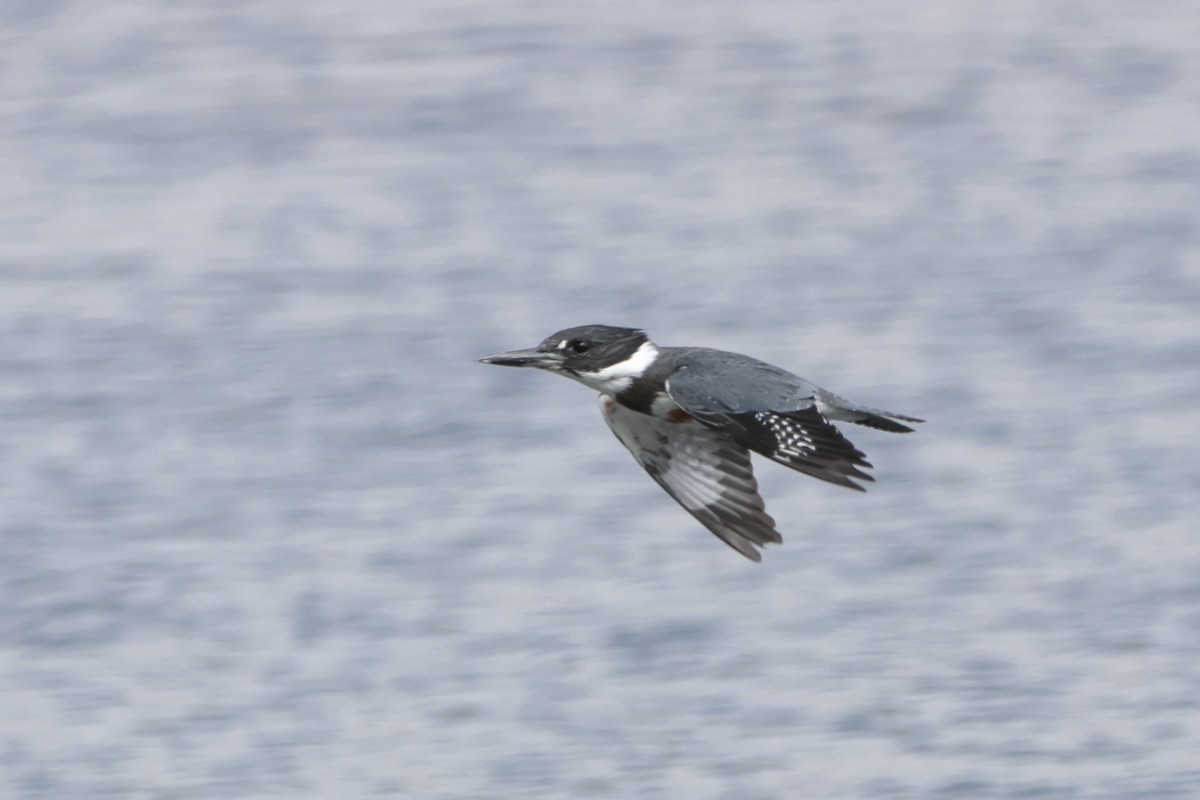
(691, 417)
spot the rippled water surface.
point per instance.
(266, 529)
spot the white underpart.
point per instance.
(617, 378)
(663, 405)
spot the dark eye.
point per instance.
(578, 346)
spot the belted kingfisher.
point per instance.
(692, 415)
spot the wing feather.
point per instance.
(799, 437)
(704, 470)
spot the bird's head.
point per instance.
(604, 357)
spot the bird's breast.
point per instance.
(664, 407)
(652, 400)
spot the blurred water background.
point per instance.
(267, 531)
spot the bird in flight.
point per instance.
(691, 416)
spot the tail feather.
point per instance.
(885, 422)
(838, 408)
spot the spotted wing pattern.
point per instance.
(705, 470)
(795, 434)
(803, 440)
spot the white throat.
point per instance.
(617, 378)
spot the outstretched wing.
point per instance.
(799, 436)
(704, 470)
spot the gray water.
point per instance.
(268, 530)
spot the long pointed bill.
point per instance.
(525, 358)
